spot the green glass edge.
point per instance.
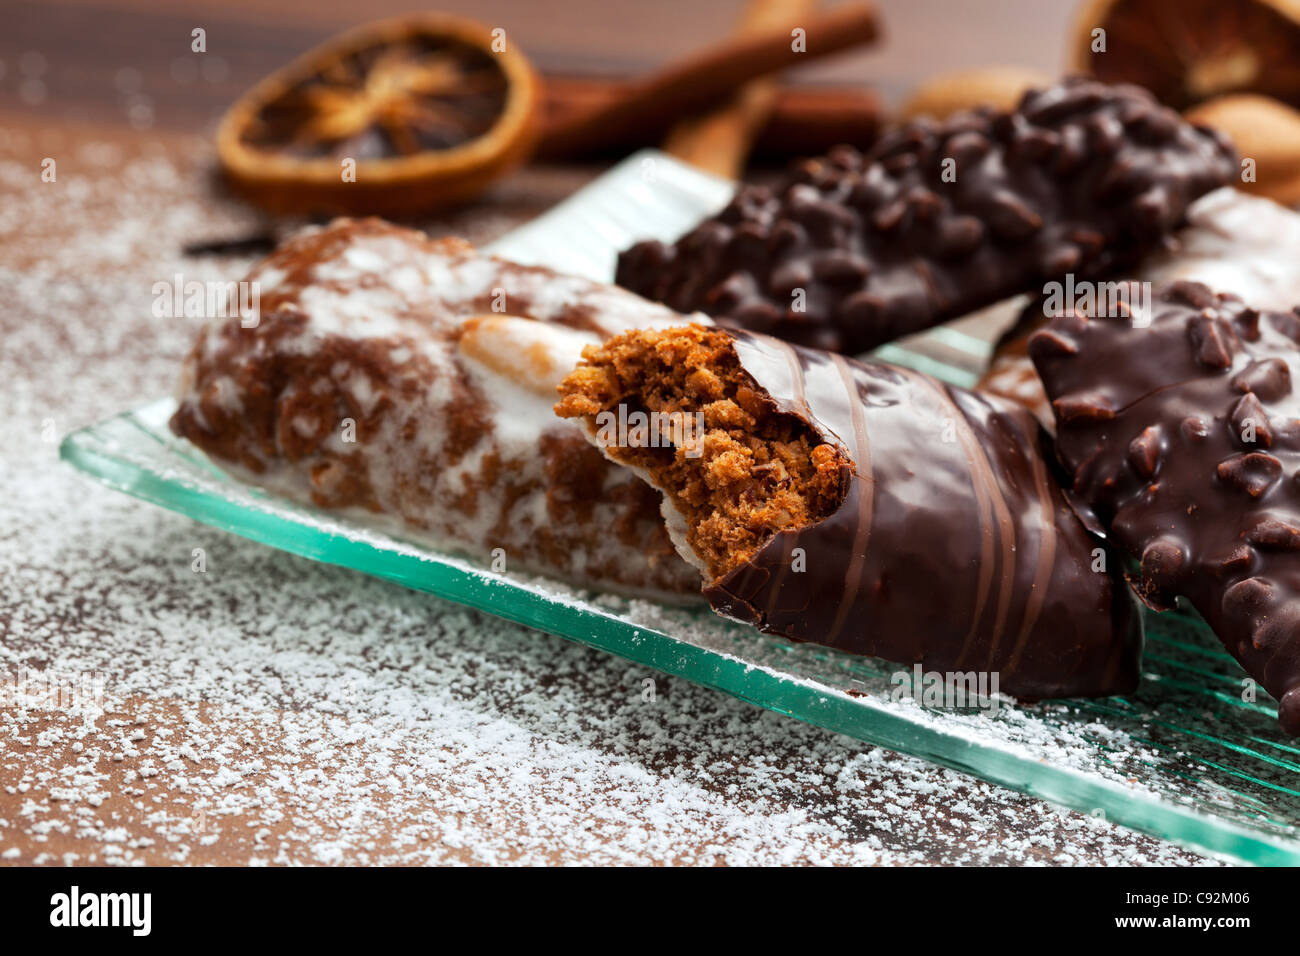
(924, 363)
(823, 708)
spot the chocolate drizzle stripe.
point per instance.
(1046, 561)
(801, 396)
(985, 507)
(1007, 535)
(866, 498)
(991, 499)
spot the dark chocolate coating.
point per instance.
(954, 547)
(1081, 178)
(1183, 440)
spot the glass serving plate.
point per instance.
(1185, 758)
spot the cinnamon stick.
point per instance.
(808, 122)
(804, 120)
(652, 105)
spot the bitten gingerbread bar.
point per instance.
(938, 219)
(1183, 440)
(411, 380)
(867, 507)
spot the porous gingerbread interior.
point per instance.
(760, 472)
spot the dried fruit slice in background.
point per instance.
(1187, 51)
(430, 112)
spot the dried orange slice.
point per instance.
(1188, 51)
(397, 117)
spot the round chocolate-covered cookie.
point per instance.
(1182, 437)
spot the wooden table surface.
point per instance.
(275, 710)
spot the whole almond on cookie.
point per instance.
(998, 86)
(535, 355)
(1264, 130)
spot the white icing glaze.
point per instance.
(1236, 243)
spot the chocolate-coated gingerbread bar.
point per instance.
(938, 219)
(1183, 441)
(866, 507)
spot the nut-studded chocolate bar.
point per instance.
(1183, 440)
(938, 219)
(868, 507)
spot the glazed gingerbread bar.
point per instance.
(411, 381)
(940, 219)
(866, 507)
(1233, 242)
(1183, 442)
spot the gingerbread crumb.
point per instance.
(759, 471)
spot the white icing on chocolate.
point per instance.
(1236, 243)
(1233, 242)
